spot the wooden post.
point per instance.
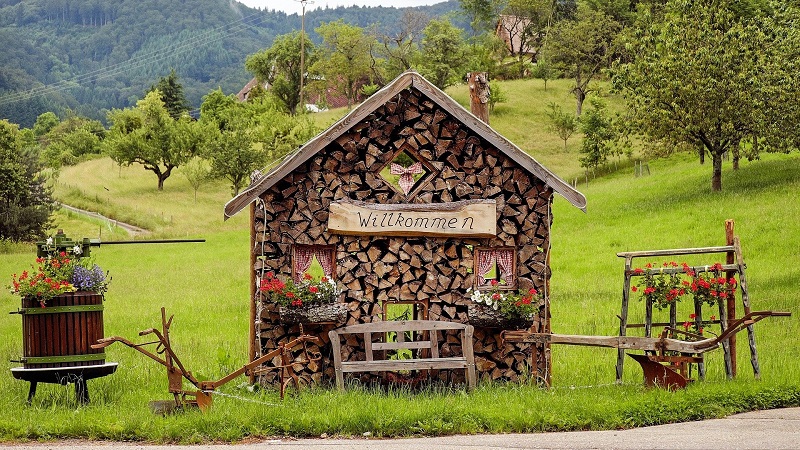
(746, 304)
(252, 347)
(698, 320)
(730, 258)
(623, 318)
(545, 327)
(478, 83)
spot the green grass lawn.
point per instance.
(206, 287)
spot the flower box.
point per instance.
(329, 312)
(487, 317)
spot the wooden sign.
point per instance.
(475, 218)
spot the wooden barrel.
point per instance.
(61, 333)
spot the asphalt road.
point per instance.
(768, 430)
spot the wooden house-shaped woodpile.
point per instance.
(409, 199)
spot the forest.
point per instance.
(90, 56)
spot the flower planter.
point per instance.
(329, 312)
(487, 317)
(61, 334)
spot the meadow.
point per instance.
(205, 285)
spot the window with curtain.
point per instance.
(498, 264)
(316, 260)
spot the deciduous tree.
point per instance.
(699, 77)
(583, 47)
(344, 60)
(562, 122)
(279, 66)
(25, 200)
(147, 135)
(443, 53)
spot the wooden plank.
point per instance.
(751, 337)
(466, 346)
(623, 318)
(399, 325)
(674, 270)
(698, 317)
(723, 325)
(458, 362)
(401, 345)
(253, 295)
(471, 218)
(368, 345)
(676, 252)
(730, 239)
(434, 341)
(336, 345)
(624, 342)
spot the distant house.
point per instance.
(512, 30)
(244, 94)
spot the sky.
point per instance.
(293, 6)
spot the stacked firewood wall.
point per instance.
(371, 269)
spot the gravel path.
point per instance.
(133, 230)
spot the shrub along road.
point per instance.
(770, 430)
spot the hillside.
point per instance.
(92, 56)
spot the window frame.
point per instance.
(477, 276)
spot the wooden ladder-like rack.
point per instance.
(734, 265)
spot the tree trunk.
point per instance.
(736, 155)
(716, 177)
(702, 153)
(580, 96)
(163, 176)
(478, 83)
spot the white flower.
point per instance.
(49, 241)
(77, 250)
(496, 306)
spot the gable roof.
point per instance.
(405, 80)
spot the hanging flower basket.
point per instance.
(487, 317)
(329, 312)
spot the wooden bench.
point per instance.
(428, 329)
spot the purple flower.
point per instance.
(93, 279)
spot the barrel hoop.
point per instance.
(61, 309)
(63, 359)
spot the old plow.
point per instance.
(200, 396)
(666, 357)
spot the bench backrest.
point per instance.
(429, 341)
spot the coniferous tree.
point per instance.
(172, 95)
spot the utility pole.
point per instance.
(303, 49)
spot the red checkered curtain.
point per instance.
(485, 260)
(505, 262)
(303, 255)
(325, 258)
